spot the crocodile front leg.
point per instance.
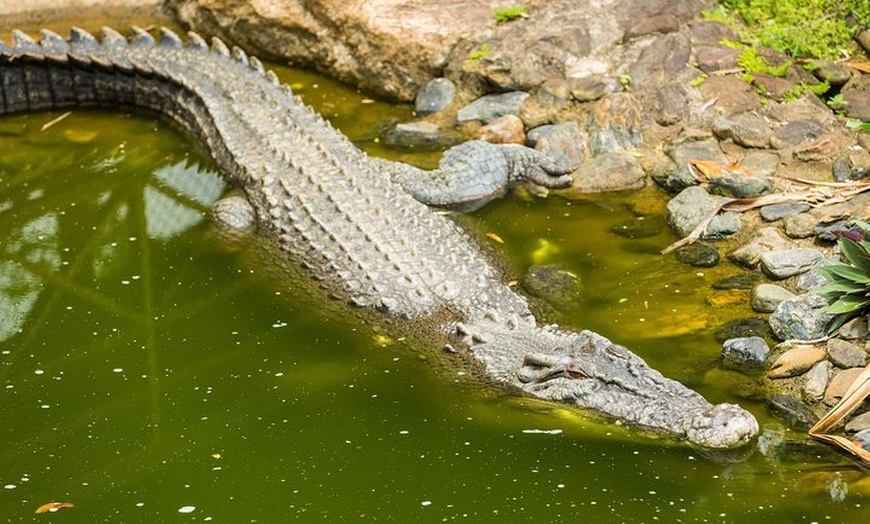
(473, 173)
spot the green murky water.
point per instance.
(146, 375)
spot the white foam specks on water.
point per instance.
(186, 509)
(542, 431)
(426, 503)
(10, 486)
(38, 372)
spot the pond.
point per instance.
(148, 374)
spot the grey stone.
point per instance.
(745, 129)
(801, 225)
(856, 94)
(765, 297)
(706, 149)
(852, 165)
(592, 87)
(434, 96)
(488, 108)
(609, 172)
(663, 58)
(863, 38)
(775, 212)
(671, 106)
(766, 239)
(796, 412)
(614, 124)
(567, 141)
(800, 318)
(793, 133)
(832, 72)
(419, 136)
(829, 232)
(858, 423)
(810, 280)
(816, 381)
(694, 204)
(698, 254)
(639, 227)
(761, 163)
(673, 178)
(789, 262)
(855, 329)
(862, 438)
(845, 354)
(740, 186)
(712, 58)
(744, 352)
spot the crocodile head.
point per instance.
(592, 373)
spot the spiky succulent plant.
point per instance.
(848, 289)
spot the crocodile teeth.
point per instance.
(81, 39)
(112, 38)
(168, 38)
(196, 42)
(142, 38)
(272, 77)
(53, 43)
(256, 65)
(219, 47)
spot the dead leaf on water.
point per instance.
(51, 507)
(495, 237)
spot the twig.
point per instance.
(55, 121)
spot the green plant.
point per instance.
(837, 101)
(481, 52)
(752, 62)
(625, 79)
(848, 289)
(698, 80)
(858, 124)
(509, 14)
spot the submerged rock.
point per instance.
(699, 254)
(743, 327)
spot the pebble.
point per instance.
(800, 318)
(694, 204)
(765, 297)
(743, 352)
(740, 186)
(840, 383)
(789, 262)
(435, 95)
(698, 254)
(816, 381)
(855, 329)
(796, 361)
(775, 212)
(766, 239)
(845, 354)
(488, 108)
(745, 129)
(506, 129)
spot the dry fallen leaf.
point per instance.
(53, 506)
(864, 67)
(495, 237)
(710, 168)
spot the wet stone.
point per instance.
(741, 281)
(765, 240)
(862, 438)
(434, 96)
(488, 108)
(845, 354)
(796, 132)
(796, 413)
(744, 352)
(419, 136)
(694, 204)
(816, 381)
(745, 129)
(740, 186)
(765, 297)
(743, 327)
(639, 227)
(800, 318)
(699, 254)
(673, 178)
(609, 172)
(775, 212)
(789, 262)
(558, 287)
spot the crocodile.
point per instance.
(372, 229)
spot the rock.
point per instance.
(855, 329)
(800, 318)
(796, 361)
(731, 94)
(683, 152)
(567, 141)
(746, 129)
(863, 38)
(823, 149)
(614, 124)
(743, 327)
(694, 204)
(846, 354)
(673, 178)
(435, 95)
(593, 87)
(765, 297)
(488, 108)
(862, 438)
(832, 72)
(840, 383)
(858, 423)
(789, 262)
(712, 58)
(666, 23)
(671, 106)
(739, 186)
(810, 280)
(558, 287)
(830, 232)
(741, 281)
(796, 132)
(800, 225)
(419, 136)
(745, 352)
(506, 129)
(698, 254)
(775, 212)
(554, 92)
(765, 240)
(639, 227)
(856, 94)
(852, 165)
(663, 58)
(816, 381)
(795, 411)
(760, 163)
(608, 172)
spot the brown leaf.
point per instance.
(495, 237)
(54, 506)
(864, 67)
